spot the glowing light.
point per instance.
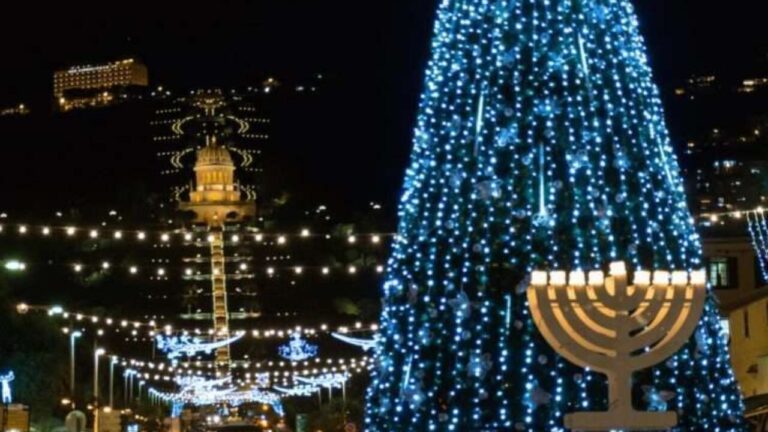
(15, 265)
(297, 349)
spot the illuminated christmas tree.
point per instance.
(540, 144)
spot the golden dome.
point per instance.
(214, 155)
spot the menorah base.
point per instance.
(614, 420)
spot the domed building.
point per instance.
(215, 196)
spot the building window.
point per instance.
(720, 274)
(746, 323)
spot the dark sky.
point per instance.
(224, 41)
(375, 50)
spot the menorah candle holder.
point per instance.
(604, 324)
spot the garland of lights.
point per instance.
(165, 236)
(298, 390)
(331, 380)
(758, 244)
(153, 327)
(243, 271)
(185, 345)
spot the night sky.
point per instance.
(374, 52)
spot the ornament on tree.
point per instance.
(479, 365)
(537, 396)
(657, 400)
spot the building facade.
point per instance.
(98, 85)
(734, 275)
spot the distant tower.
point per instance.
(216, 199)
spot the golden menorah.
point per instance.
(604, 324)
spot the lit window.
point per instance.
(719, 273)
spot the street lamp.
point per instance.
(96, 354)
(112, 363)
(141, 384)
(72, 336)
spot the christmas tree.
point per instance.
(540, 144)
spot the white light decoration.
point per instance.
(141, 235)
(539, 278)
(118, 235)
(642, 278)
(165, 237)
(185, 345)
(661, 277)
(365, 344)
(305, 232)
(330, 380)
(22, 229)
(299, 390)
(5, 384)
(596, 278)
(15, 265)
(70, 231)
(557, 278)
(46, 231)
(78, 268)
(297, 349)
(133, 270)
(93, 234)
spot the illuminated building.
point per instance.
(97, 85)
(18, 110)
(216, 197)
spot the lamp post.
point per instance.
(112, 363)
(96, 354)
(72, 337)
(141, 384)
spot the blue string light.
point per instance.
(540, 143)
